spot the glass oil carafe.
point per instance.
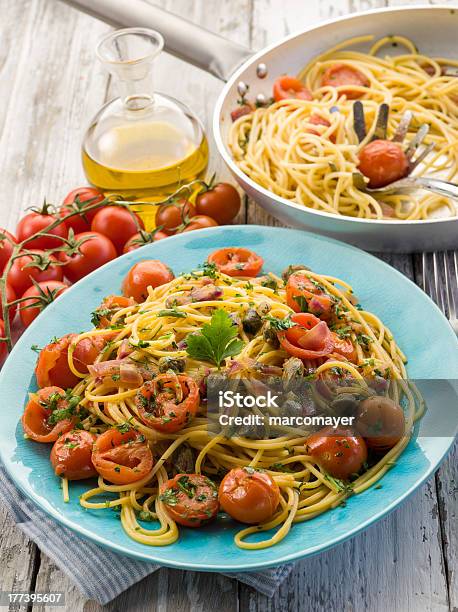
(142, 145)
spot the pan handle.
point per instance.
(184, 39)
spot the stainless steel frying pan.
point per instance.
(434, 30)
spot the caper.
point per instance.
(251, 322)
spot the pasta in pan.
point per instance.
(136, 413)
(303, 146)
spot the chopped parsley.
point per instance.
(172, 312)
(279, 324)
(98, 314)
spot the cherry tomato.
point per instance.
(344, 347)
(200, 222)
(383, 162)
(221, 203)
(287, 87)
(76, 201)
(10, 297)
(341, 75)
(168, 402)
(144, 274)
(190, 499)
(52, 366)
(303, 295)
(40, 297)
(6, 247)
(381, 422)
(116, 223)
(341, 453)
(95, 251)
(71, 455)
(309, 338)
(141, 238)
(40, 267)
(3, 346)
(122, 457)
(101, 317)
(39, 221)
(39, 419)
(237, 261)
(248, 495)
(171, 216)
(160, 234)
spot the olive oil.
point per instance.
(143, 145)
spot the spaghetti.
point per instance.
(306, 150)
(151, 341)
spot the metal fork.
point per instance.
(445, 294)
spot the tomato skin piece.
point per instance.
(383, 162)
(288, 87)
(117, 224)
(190, 509)
(96, 251)
(344, 347)
(308, 333)
(381, 422)
(236, 261)
(339, 75)
(158, 404)
(6, 247)
(36, 222)
(10, 297)
(79, 199)
(52, 366)
(27, 311)
(298, 287)
(71, 455)
(200, 222)
(248, 495)
(21, 274)
(221, 203)
(171, 216)
(122, 457)
(340, 452)
(113, 303)
(144, 274)
(36, 415)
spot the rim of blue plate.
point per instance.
(153, 554)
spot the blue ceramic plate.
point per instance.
(418, 326)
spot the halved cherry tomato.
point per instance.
(344, 347)
(168, 402)
(3, 346)
(71, 455)
(303, 295)
(39, 266)
(309, 338)
(40, 419)
(381, 422)
(341, 75)
(249, 495)
(144, 274)
(52, 366)
(101, 317)
(340, 452)
(10, 297)
(237, 261)
(171, 216)
(39, 221)
(287, 87)
(7, 241)
(221, 203)
(95, 251)
(383, 162)
(200, 222)
(190, 499)
(40, 296)
(116, 223)
(78, 201)
(122, 457)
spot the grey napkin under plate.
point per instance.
(78, 557)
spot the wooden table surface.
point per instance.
(50, 87)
